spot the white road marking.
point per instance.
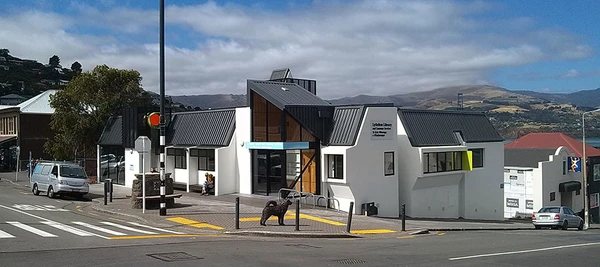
(98, 228)
(67, 228)
(31, 229)
(155, 228)
(5, 235)
(128, 228)
(524, 251)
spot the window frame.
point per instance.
(429, 168)
(180, 158)
(205, 159)
(386, 163)
(332, 162)
(481, 151)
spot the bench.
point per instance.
(193, 187)
(158, 197)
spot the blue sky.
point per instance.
(374, 47)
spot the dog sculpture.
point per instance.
(276, 209)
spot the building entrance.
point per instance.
(268, 171)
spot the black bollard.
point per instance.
(297, 215)
(110, 189)
(403, 217)
(237, 213)
(349, 223)
(105, 191)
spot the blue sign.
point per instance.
(574, 164)
(276, 145)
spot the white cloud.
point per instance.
(572, 73)
(350, 48)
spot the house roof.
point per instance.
(436, 127)
(283, 94)
(526, 157)
(553, 140)
(39, 104)
(12, 96)
(346, 124)
(202, 128)
(112, 133)
(281, 74)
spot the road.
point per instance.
(55, 232)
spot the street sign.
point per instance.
(143, 144)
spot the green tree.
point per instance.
(76, 67)
(4, 52)
(83, 107)
(54, 61)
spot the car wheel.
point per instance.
(565, 225)
(51, 192)
(580, 227)
(538, 227)
(35, 190)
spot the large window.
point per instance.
(206, 159)
(388, 163)
(442, 161)
(596, 171)
(179, 154)
(477, 157)
(335, 166)
(594, 199)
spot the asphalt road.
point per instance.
(74, 243)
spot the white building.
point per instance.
(536, 177)
(287, 138)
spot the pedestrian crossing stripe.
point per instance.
(32, 229)
(5, 235)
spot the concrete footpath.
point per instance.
(216, 215)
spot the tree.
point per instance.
(54, 61)
(4, 52)
(76, 67)
(82, 109)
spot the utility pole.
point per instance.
(163, 204)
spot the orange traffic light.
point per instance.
(154, 119)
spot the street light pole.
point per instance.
(586, 198)
(163, 205)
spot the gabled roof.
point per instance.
(346, 124)
(553, 140)
(526, 157)
(437, 128)
(12, 96)
(202, 128)
(113, 132)
(39, 104)
(283, 95)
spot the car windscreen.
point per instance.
(550, 210)
(72, 172)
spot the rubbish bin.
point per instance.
(368, 209)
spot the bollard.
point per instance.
(237, 213)
(105, 191)
(297, 215)
(403, 217)
(349, 223)
(110, 187)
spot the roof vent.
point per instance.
(284, 89)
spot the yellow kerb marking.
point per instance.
(291, 215)
(249, 219)
(441, 233)
(193, 223)
(407, 236)
(372, 231)
(152, 236)
(319, 219)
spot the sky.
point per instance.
(372, 47)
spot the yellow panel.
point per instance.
(467, 160)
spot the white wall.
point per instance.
(226, 176)
(337, 188)
(243, 155)
(552, 175)
(133, 165)
(364, 167)
(520, 188)
(483, 195)
(409, 162)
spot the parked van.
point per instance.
(59, 178)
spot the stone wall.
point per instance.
(152, 189)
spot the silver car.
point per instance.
(556, 217)
(59, 178)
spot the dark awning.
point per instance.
(569, 186)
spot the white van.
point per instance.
(59, 178)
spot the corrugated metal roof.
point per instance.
(202, 128)
(285, 94)
(12, 96)
(526, 157)
(39, 104)
(436, 127)
(346, 123)
(113, 132)
(281, 74)
(553, 140)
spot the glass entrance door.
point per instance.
(267, 171)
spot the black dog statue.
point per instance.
(276, 209)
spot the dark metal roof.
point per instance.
(281, 74)
(202, 128)
(346, 124)
(113, 132)
(283, 95)
(436, 127)
(526, 157)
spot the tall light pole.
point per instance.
(586, 198)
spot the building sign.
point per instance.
(276, 145)
(513, 177)
(574, 164)
(529, 204)
(594, 199)
(512, 202)
(382, 130)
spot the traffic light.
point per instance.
(153, 119)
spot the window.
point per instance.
(564, 167)
(506, 170)
(596, 172)
(46, 169)
(552, 196)
(519, 171)
(442, 161)
(335, 166)
(594, 198)
(206, 159)
(388, 163)
(179, 154)
(477, 157)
